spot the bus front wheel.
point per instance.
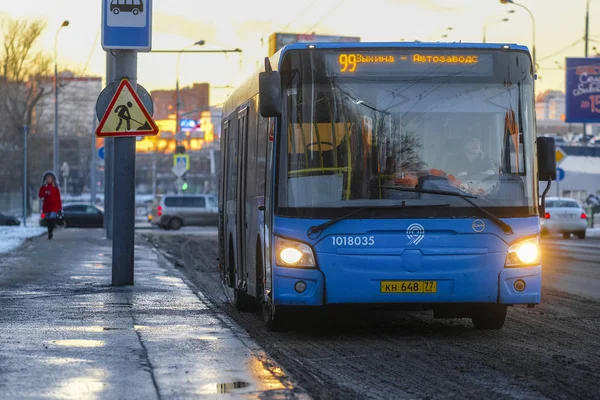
(116, 11)
(490, 316)
(275, 320)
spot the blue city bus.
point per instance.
(395, 174)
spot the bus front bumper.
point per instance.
(312, 287)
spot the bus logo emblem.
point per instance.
(478, 225)
(415, 233)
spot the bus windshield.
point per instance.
(357, 122)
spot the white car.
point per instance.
(564, 215)
(175, 211)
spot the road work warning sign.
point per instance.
(126, 115)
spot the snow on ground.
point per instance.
(12, 237)
(593, 232)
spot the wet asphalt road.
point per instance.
(573, 266)
(550, 351)
(66, 333)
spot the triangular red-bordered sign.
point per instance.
(126, 115)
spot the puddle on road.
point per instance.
(94, 265)
(64, 361)
(223, 388)
(78, 343)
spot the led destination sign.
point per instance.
(406, 63)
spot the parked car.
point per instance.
(564, 215)
(175, 211)
(9, 220)
(82, 215)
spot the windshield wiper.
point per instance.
(503, 225)
(317, 229)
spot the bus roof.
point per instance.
(400, 45)
(250, 87)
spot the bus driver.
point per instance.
(474, 162)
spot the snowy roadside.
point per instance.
(593, 232)
(12, 237)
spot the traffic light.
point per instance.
(184, 185)
(180, 149)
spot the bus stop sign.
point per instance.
(127, 25)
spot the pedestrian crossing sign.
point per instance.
(126, 115)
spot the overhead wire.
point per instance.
(299, 15)
(325, 16)
(575, 43)
(87, 63)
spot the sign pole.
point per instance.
(93, 165)
(108, 159)
(25, 191)
(124, 195)
(125, 31)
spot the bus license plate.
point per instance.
(408, 287)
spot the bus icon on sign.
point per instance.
(132, 6)
(126, 13)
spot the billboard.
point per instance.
(583, 90)
(278, 40)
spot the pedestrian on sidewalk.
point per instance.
(52, 204)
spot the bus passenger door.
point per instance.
(241, 160)
(230, 185)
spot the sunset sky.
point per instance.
(231, 24)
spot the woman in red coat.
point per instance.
(52, 205)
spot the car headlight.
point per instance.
(290, 253)
(523, 253)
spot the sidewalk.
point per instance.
(66, 333)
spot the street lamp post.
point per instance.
(177, 99)
(485, 28)
(587, 32)
(485, 23)
(55, 155)
(532, 27)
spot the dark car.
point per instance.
(8, 220)
(80, 216)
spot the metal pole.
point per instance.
(177, 102)
(109, 145)
(484, 29)
(25, 191)
(124, 195)
(93, 165)
(55, 144)
(587, 32)
(154, 175)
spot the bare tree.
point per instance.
(22, 69)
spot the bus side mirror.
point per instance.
(269, 88)
(546, 153)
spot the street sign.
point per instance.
(65, 169)
(127, 25)
(126, 115)
(101, 153)
(188, 125)
(109, 92)
(583, 91)
(560, 174)
(182, 159)
(560, 155)
(179, 170)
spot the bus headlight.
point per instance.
(290, 253)
(524, 253)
